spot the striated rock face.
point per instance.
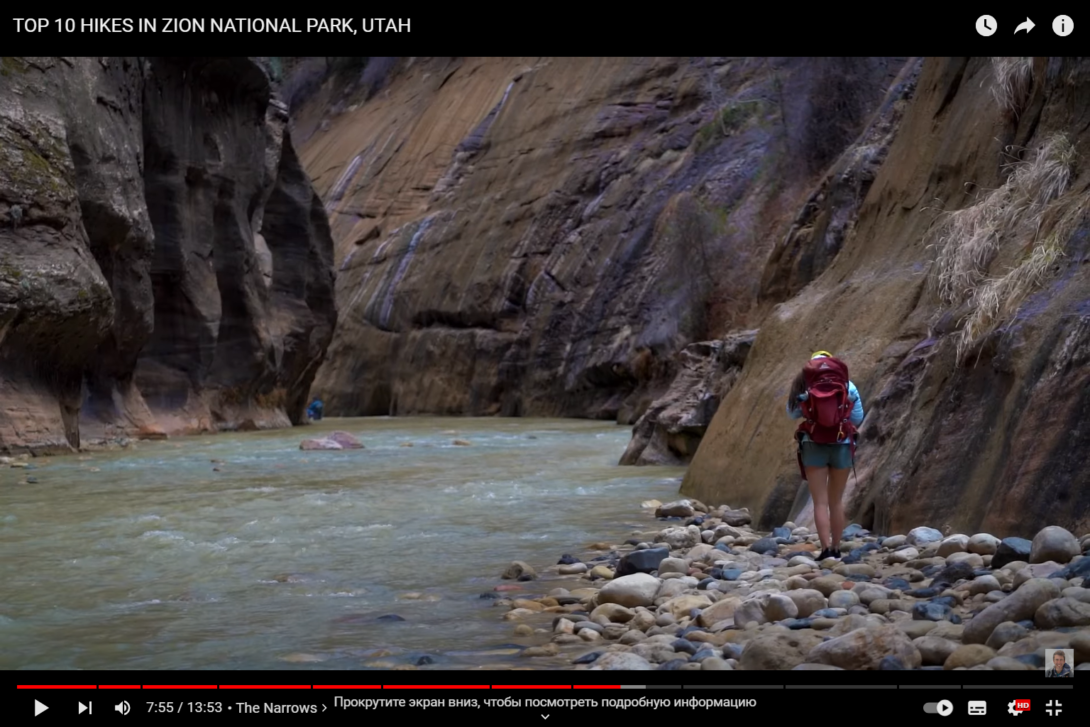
(534, 236)
(165, 265)
(670, 430)
(960, 298)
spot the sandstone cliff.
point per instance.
(165, 265)
(527, 236)
(960, 297)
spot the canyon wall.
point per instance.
(960, 298)
(165, 265)
(528, 236)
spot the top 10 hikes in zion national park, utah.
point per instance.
(349, 26)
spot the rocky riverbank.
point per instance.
(708, 592)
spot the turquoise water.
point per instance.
(149, 559)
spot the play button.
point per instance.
(39, 707)
(945, 708)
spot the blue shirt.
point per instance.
(794, 410)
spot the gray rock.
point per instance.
(1054, 543)
(681, 508)
(777, 652)
(517, 570)
(765, 546)
(953, 544)
(737, 518)
(935, 651)
(621, 661)
(1020, 605)
(865, 648)
(630, 591)
(641, 561)
(1005, 633)
(843, 599)
(983, 544)
(1011, 550)
(765, 607)
(1062, 613)
(923, 536)
(673, 565)
(807, 601)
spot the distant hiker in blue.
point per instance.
(315, 410)
(831, 409)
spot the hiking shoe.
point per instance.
(825, 553)
(835, 554)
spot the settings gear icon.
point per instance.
(1011, 707)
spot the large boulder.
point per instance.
(630, 591)
(641, 561)
(1054, 543)
(1019, 606)
(866, 648)
(1011, 550)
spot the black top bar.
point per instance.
(588, 29)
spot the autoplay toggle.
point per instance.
(943, 708)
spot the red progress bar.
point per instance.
(350, 686)
(116, 686)
(597, 686)
(281, 686)
(178, 686)
(55, 686)
(524, 686)
(430, 686)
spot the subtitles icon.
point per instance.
(978, 708)
(1018, 706)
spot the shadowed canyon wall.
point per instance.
(165, 265)
(528, 236)
(960, 299)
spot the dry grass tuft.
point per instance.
(969, 240)
(1013, 80)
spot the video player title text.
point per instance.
(349, 26)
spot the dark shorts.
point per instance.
(837, 456)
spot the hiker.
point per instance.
(829, 404)
(314, 411)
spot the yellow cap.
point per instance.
(821, 354)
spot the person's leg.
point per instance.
(817, 480)
(838, 481)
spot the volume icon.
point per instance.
(123, 708)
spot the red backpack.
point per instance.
(827, 409)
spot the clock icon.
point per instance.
(986, 25)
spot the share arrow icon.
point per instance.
(1026, 26)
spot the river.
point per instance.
(149, 558)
